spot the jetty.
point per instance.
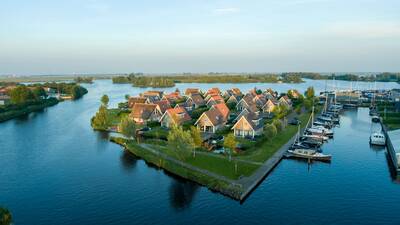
(393, 146)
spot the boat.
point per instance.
(309, 154)
(305, 145)
(375, 119)
(315, 137)
(350, 106)
(377, 138)
(323, 123)
(320, 130)
(328, 119)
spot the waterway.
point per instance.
(55, 170)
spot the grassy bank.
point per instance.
(10, 112)
(217, 164)
(390, 117)
(229, 189)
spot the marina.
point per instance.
(94, 179)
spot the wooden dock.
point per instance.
(251, 182)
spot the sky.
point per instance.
(173, 36)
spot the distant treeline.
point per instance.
(25, 99)
(15, 110)
(169, 81)
(382, 77)
(88, 80)
(75, 90)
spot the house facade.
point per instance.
(143, 113)
(210, 121)
(249, 125)
(176, 116)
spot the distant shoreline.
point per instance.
(365, 76)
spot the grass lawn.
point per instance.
(215, 164)
(115, 116)
(266, 149)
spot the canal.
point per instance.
(55, 170)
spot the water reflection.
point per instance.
(377, 148)
(128, 160)
(181, 193)
(103, 135)
(392, 170)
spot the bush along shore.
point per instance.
(13, 111)
(18, 99)
(230, 158)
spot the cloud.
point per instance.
(226, 10)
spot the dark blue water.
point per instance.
(55, 170)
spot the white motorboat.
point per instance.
(316, 137)
(377, 138)
(309, 154)
(324, 130)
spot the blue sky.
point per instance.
(152, 36)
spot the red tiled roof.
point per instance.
(163, 104)
(143, 111)
(133, 100)
(179, 115)
(223, 109)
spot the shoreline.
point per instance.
(9, 115)
(236, 189)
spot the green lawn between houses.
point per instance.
(213, 163)
(115, 116)
(267, 148)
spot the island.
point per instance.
(225, 140)
(141, 80)
(18, 99)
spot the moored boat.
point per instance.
(377, 138)
(309, 154)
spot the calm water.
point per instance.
(56, 170)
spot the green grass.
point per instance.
(215, 164)
(267, 148)
(115, 116)
(203, 179)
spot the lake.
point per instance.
(56, 170)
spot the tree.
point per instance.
(270, 131)
(180, 141)
(100, 120)
(5, 216)
(230, 143)
(196, 135)
(127, 127)
(308, 104)
(105, 100)
(278, 125)
(127, 97)
(21, 94)
(39, 93)
(231, 106)
(310, 93)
